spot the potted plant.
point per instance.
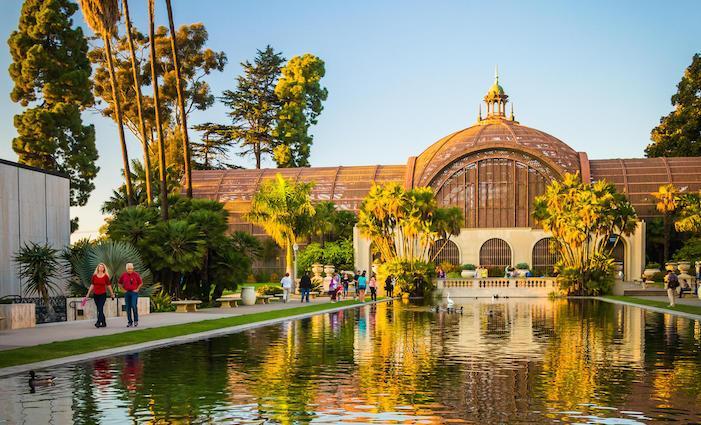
(650, 270)
(671, 266)
(522, 269)
(468, 271)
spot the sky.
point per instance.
(402, 74)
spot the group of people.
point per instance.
(340, 284)
(130, 282)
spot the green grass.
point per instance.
(255, 285)
(73, 347)
(691, 309)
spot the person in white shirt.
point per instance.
(286, 283)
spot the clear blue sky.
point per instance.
(400, 75)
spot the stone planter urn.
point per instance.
(317, 269)
(618, 266)
(328, 270)
(649, 273)
(684, 266)
(248, 295)
(698, 267)
(468, 274)
(670, 265)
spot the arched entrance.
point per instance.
(445, 251)
(545, 255)
(618, 252)
(495, 255)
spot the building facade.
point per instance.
(492, 171)
(34, 207)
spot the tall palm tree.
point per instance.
(283, 209)
(181, 102)
(157, 107)
(139, 106)
(102, 17)
(667, 196)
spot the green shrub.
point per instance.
(652, 266)
(468, 267)
(269, 290)
(161, 302)
(522, 266)
(658, 277)
(453, 275)
(448, 267)
(690, 251)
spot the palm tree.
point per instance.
(283, 209)
(139, 106)
(157, 108)
(446, 222)
(666, 196)
(102, 17)
(181, 102)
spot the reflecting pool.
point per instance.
(512, 361)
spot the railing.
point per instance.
(498, 282)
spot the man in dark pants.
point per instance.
(131, 283)
(305, 286)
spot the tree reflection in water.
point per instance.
(515, 361)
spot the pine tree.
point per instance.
(51, 72)
(255, 106)
(679, 133)
(212, 152)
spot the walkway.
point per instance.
(63, 331)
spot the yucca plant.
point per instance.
(40, 268)
(115, 255)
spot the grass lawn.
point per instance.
(255, 285)
(691, 309)
(60, 349)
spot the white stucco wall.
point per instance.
(521, 240)
(34, 206)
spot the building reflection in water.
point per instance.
(530, 360)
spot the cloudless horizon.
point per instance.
(597, 75)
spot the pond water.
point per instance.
(513, 361)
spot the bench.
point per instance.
(277, 297)
(264, 299)
(314, 294)
(228, 302)
(186, 306)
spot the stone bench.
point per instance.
(228, 302)
(186, 306)
(264, 299)
(314, 294)
(277, 297)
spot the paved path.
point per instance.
(687, 300)
(63, 331)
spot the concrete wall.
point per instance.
(34, 206)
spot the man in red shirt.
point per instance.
(130, 282)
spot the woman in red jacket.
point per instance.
(100, 285)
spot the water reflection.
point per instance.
(514, 361)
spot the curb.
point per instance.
(160, 343)
(685, 315)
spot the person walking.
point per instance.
(345, 281)
(305, 286)
(286, 283)
(332, 290)
(355, 283)
(389, 287)
(362, 285)
(373, 288)
(131, 283)
(671, 282)
(99, 286)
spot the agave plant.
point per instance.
(40, 267)
(115, 255)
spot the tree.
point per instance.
(403, 226)
(102, 17)
(667, 196)
(181, 102)
(157, 113)
(254, 106)
(679, 132)
(584, 219)
(135, 70)
(212, 152)
(689, 217)
(118, 199)
(50, 71)
(301, 96)
(283, 209)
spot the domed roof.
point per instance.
(495, 90)
(490, 134)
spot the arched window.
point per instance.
(619, 250)
(495, 255)
(493, 188)
(445, 251)
(545, 255)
